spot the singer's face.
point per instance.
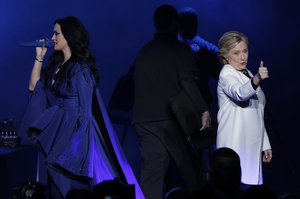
(60, 43)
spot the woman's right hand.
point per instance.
(37, 66)
(41, 51)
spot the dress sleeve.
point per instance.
(37, 104)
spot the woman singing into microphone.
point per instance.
(66, 117)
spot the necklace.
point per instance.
(54, 78)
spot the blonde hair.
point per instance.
(228, 41)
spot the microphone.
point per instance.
(46, 43)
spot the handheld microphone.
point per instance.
(46, 43)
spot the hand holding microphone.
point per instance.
(41, 49)
(40, 43)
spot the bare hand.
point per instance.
(206, 120)
(261, 74)
(262, 71)
(267, 155)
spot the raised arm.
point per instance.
(37, 67)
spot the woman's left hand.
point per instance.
(261, 74)
(267, 155)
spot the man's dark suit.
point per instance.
(161, 67)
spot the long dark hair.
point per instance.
(79, 42)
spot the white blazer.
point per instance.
(241, 121)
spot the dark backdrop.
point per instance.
(119, 28)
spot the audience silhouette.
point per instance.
(178, 193)
(79, 194)
(113, 189)
(224, 176)
(259, 191)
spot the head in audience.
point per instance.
(113, 189)
(289, 196)
(79, 194)
(259, 191)
(225, 170)
(177, 193)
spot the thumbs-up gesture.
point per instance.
(261, 74)
(262, 71)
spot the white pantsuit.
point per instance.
(241, 122)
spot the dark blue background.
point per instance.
(118, 29)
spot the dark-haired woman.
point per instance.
(66, 116)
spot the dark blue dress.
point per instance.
(75, 134)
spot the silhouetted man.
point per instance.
(163, 67)
(205, 54)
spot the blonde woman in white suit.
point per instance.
(241, 108)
